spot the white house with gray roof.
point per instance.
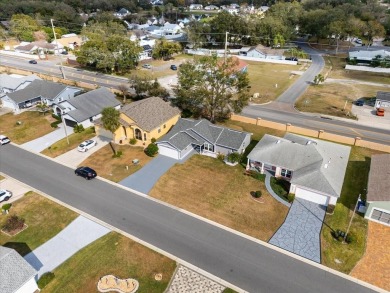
(315, 168)
(39, 91)
(12, 83)
(382, 100)
(84, 109)
(16, 274)
(204, 137)
(366, 54)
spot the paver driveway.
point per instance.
(54, 252)
(300, 232)
(144, 179)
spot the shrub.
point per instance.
(45, 279)
(78, 128)
(151, 150)
(133, 141)
(258, 176)
(233, 157)
(56, 117)
(6, 206)
(220, 157)
(290, 197)
(330, 209)
(118, 154)
(13, 223)
(55, 124)
(257, 194)
(153, 140)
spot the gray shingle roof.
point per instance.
(150, 113)
(378, 179)
(316, 164)
(188, 131)
(14, 270)
(91, 104)
(384, 96)
(38, 88)
(368, 49)
(12, 83)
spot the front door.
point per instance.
(138, 134)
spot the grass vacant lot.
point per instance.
(44, 219)
(330, 98)
(338, 71)
(263, 76)
(33, 125)
(114, 169)
(257, 131)
(209, 188)
(343, 257)
(61, 146)
(112, 254)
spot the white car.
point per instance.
(5, 195)
(4, 139)
(86, 145)
(147, 66)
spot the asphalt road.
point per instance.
(235, 259)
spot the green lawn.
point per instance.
(61, 146)
(112, 254)
(43, 217)
(343, 257)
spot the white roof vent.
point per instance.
(326, 166)
(278, 141)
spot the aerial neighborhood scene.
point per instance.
(171, 146)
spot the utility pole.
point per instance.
(350, 222)
(66, 132)
(58, 51)
(226, 41)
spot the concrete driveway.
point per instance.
(300, 232)
(144, 179)
(367, 115)
(39, 144)
(74, 158)
(17, 188)
(54, 252)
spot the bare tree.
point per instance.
(124, 88)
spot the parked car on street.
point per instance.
(86, 172)
(4, 139)
(380, 112)
(291, 58)
(33, 62)
(173, 67)
(86, 145)
(147, 66)
(5, 195)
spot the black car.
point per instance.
(359, 103)
(33, 62)
(85, 172)
(291, 58)
(173, 67)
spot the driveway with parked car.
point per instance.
(367, 115)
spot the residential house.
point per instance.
(68, 41)
(143, 120)
(366, 54)
(146, 53)
(232, 9)
(86, 108)
(241, 65)
(38, 47)
(12, 83)
(16, 274)
(204, 137)
(382, 100)
(262, 52)
(39, 91)
(196, 7)
(315, 168)
(378, 195)
(123, 12)
(211, 7)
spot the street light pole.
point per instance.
(226, 38)
(66, 132)
(58, 51)
(350, 221)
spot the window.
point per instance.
(164, 126)
(285, 173)
(208, 147)
(91, 119)
(381, 216)
(138, 134)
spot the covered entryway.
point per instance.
(104, 133)
(311, 196)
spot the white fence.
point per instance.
(288, 62)
(367, 69)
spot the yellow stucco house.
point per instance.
(143, 120)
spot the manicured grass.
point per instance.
(209, 188)
(112, 254)
(33, 125)
(61, 146)
(43, 217)
(228, 290)
(330, 98)
(114, 169)
(263, 76)
(280, 187)
(355, 183)
(257, 131)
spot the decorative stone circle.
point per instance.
(158, 277)
(111, 283)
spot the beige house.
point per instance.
(143, 120)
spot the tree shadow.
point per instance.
(21, 247)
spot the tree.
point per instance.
(43, 108)
(279, 40)
(124, 88)
(151, 150)
(144, 86)
(23, 26)
(318, 79)
(212, 88)
(110, 120)
(165, 49)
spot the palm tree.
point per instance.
(124, 88)
(110, 120)
(43, 108)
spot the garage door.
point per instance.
(104, 132)
(311, 196)
(70, 123)
(162, 150)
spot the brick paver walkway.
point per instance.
(374, 267)
(188, 281)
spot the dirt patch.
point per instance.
(374, 267)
